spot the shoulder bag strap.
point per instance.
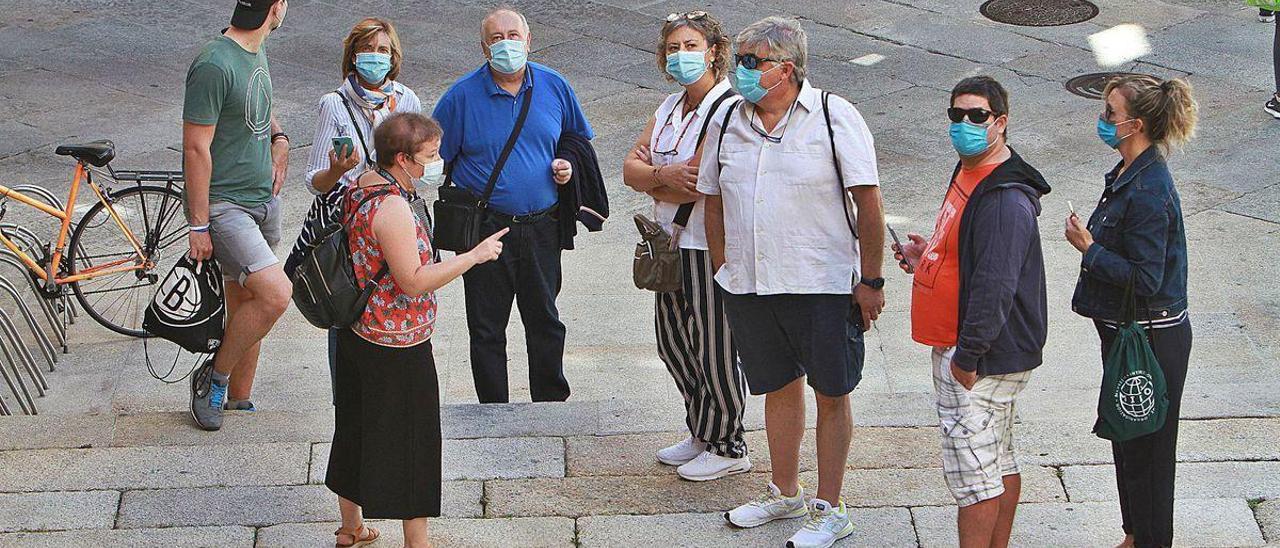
(724, 126)
(506, 149)
(686, 210)
(368, 160)
(386, 268)
(831, 134)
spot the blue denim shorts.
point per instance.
(781, 338)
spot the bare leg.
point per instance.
(241, 386)
(415, 533)
(270, 292)
(1128, 542)
(352, 518)
(1008, 508)
(835, 432)
(976, 523)
(784, 425)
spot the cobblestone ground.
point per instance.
(112, 459)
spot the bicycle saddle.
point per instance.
(97, 153)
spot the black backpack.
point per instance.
(188, 308)
(325, 288)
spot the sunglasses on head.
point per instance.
(688, 16)
(751, 61)
(975, 115)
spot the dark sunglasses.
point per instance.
(976, 115)
(751, 61)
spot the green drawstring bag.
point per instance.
(1135, 400)
(1269, 5)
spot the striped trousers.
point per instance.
(694, 342)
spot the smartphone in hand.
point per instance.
(343, 146)
(900, 250)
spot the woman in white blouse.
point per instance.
(693, 334)
(369, 93)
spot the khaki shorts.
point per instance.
(977, 430)
(244, 237)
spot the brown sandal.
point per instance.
(370, 535)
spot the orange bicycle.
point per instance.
(119, 247)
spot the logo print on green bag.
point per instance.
(1135, 396)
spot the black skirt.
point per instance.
(386, 438)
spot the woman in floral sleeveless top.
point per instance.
(385, 460)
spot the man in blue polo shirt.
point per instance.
(478, 114)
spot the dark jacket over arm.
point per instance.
(583, 198)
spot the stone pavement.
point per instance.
(112, 459)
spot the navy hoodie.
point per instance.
(1004, 314)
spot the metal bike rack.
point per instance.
(36, 246)
(55, 201)
(20, 391)
(51, 315)
(28, 359)
(42, 340)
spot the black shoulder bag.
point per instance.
(458, 214)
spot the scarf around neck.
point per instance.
(375, 104)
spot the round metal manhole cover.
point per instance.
(1090, 86)
(1039, 13)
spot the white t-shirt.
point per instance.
(676, 132)
(785, 228)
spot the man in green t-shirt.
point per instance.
(235, 159)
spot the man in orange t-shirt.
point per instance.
(978, 298)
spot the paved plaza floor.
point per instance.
(113, 460)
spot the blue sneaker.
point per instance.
(207, 398)
(239, 405)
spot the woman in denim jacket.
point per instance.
(1136, 235)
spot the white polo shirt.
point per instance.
(676, 132)
(785, 228)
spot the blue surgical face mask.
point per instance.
(433, 173)
(969, 139)
(508, 56)
(373, 67)
(1107, 132)
(747, 83)
(687, 66)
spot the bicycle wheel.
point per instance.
(155, 216)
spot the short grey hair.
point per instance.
(783, 38)
(524, 23)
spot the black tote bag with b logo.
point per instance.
(188, 308)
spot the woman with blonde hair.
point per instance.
(693, 333)
(369, 93)
(1135, 241)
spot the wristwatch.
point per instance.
(873, 283)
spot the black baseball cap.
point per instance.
(251, 14)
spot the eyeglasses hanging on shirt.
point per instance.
(675, 148)
(785, 123)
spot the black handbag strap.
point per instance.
(386, 268)
(831, 134)
(506, 150)
(686, 210)
(368, 160)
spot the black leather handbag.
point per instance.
(459, 213)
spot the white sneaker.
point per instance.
(769, 507)
(682, 452)
(825, 526)
(710, 466)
